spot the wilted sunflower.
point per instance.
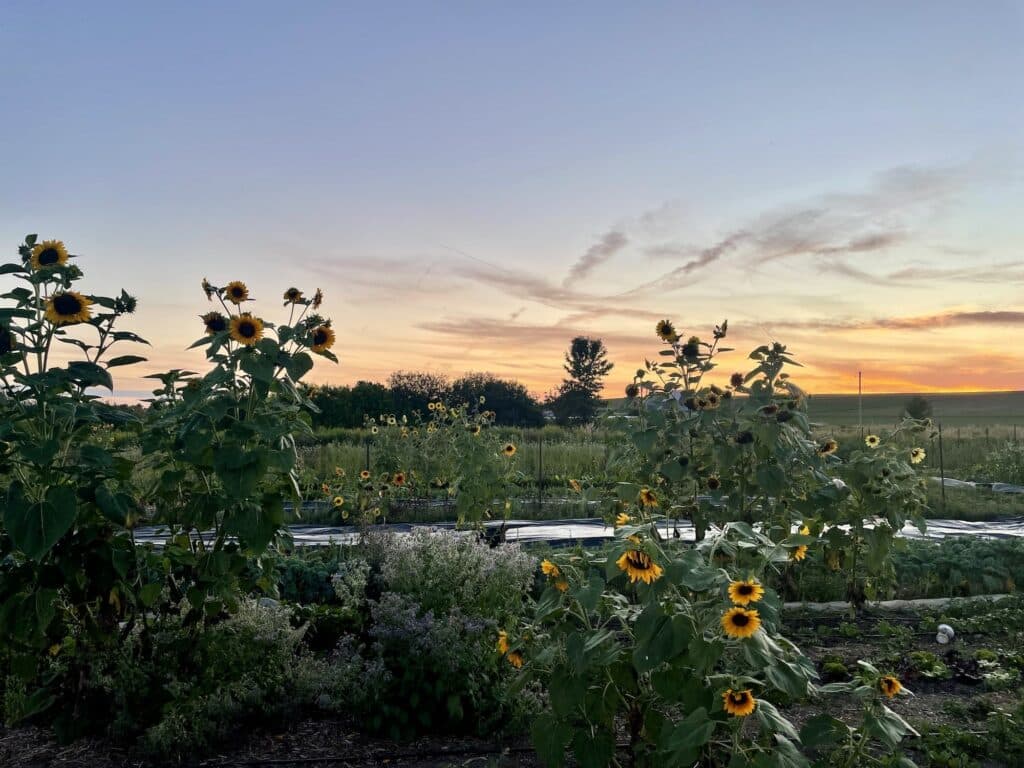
(745, 592)
(691, 348)
(828, 448)
(215, 322)
(502, 644)
(917, 455)
(515, 659)
(318, 299)
(323, 338)
(736, 380)
(246, 329)
(68, 307)
(740, 622)
(49, 253)
(639, 566)
(647, 497)
(338, 501)
(890, 686)
(236, 292)
(399, 478)
(739, 703)
(292, 296)
(622, 519)
(872, 441)
(550, 569)
(7, 340)
(339, 472)
(509, 450)
(364, 474)
(746, 437)
(666, 331)
(208, 289)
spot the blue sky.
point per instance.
(438, 168)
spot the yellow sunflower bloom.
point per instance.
(917, 455)
(364, 474)
(647, 497)
(575, 485)
(236, 292)
(639, 566)
(550, 569)
(872, 441)
(799, 553)
(745, 592)
(739, 703)
(890, 686)
(338, 501)
(246, 329)
(67, 308)
(740, 622)
(515, 659)
(292, 296)
(49, 254)
(666, 331)
(509, 450)
(502, 645)
(323, 338)
(622, 519)
(399, 478)
(828, 448)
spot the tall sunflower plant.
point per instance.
(221, 445)
(68, 565)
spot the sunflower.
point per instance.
(325, 488)
(431, 406)
(740, 622)
(739, 703)
(49, 253)
(68, 307)
(714, 483)
(890, 686)
(246, 329)
(746, 437)
(712, 401)
(872, 441)
(318, 299)
(474, 429)
(364, 475)
(639, 566)
(562, 585)
(647, 497)
(215, 322)
(666, 331)
(208, 289)
(691, 349)
(399, 478)
(236, 292)
(392, 421)
(550, 569)
(7, 340)
(323, 338)
(502, 644)
(917, 455)
(736, 380)
(828, 448)
(515, 659)
(338, 501)
(575, 485)
(799, 553)
(374, 430)
(745, 592)
(339, 472)
(632, 390)
(509, 450)
(292, 296)
(622, 519)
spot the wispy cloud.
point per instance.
(912, 323)
(610, 243)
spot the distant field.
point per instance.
(979, 409)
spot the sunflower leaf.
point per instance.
(125, 360)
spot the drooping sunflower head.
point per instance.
(872, 441)
(639, 566)
(236, 292)
(562, 585)
(509, 450)
(632, 391)
(208, 289)
(246, 329)
(474, 429)
(740, 622)
(292, 296)
(666, 331)
(318, 299)
(49, 254)
(828, 447)
(736, 380)
(215, 322)
(739, 703)
(917, 455)
(647, 497)
(890, 686)
(67, 308)
(550, 569)
(323, 338)
(622, 519)
(746, 437)
(691, 349)
(745, 592)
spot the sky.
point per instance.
(473, 184)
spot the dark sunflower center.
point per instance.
(745, 589)
(639, 561)
(740, 619)
(49, 256)
(237, 292)
(319, 337)
(67, 304)
(215, 324)
(247, 329)
(739, 698)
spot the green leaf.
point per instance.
(823, 731)
(593, 751)
(89, 374)
(550, 737)
(36, 528)
(773, 721)
(149, 594)
(125, 360)
(115, 507)
(299, 365)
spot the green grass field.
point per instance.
(1000, 410)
